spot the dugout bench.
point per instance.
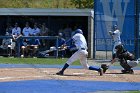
(18, 46)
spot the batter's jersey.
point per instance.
(80, 41)
(16, 31)
(116, 36)
(27, 31)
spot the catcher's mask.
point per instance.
(119, 48)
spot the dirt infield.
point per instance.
(18, 74)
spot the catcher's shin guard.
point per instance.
(124, 64)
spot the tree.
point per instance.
(46, 3)
(83, 3)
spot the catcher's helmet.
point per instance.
(79, 31)
(119, 47)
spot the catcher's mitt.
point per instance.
(104, 67)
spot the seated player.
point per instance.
(24, 48)
(30, 47)
(6, 44)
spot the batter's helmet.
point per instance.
(79, 31)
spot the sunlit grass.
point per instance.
(8, 60)
(133, 92)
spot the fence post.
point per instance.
(56, 47)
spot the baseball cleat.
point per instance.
(100, 71)
(127, 71)
(59, 73)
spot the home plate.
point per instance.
(78, 73)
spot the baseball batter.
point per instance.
(81, 54)
(116, 38)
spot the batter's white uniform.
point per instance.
(116, 38)
(81, 54)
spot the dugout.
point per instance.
(55, 19)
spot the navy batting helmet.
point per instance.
(79, 31)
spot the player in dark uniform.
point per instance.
(126, 59)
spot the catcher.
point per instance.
(126, 59)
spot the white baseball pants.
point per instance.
(82, 56)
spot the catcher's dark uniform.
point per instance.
(124, 55)
(126, 59)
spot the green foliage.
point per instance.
(46, 3)
(83, 3)
(24, 3)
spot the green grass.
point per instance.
(51, 61)
(133, 92)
